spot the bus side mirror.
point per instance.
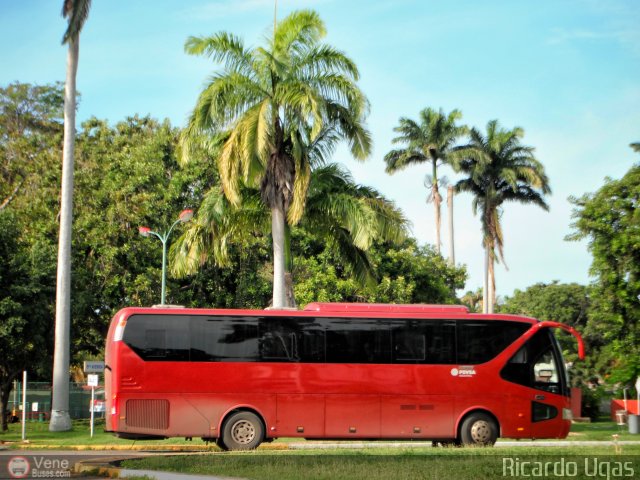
(545, 375)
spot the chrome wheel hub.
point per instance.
(481, 432)
(243, 432)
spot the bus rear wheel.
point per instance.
(242, 431)
(479, 429)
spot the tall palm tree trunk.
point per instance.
(452, 250)
(60, 419)
(278, 236)
(485, 283)
(491, 281)
(437, 201)
(288, 268)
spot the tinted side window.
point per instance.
(423, 342)
(224, 339)
(158, 337)
(357, 340)
(285, 339)
(480, 341)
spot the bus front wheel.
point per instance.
(479, 429)
(242, 431)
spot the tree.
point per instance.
(30, 122)
(608, 219)
(347, 216)
(271, 101)
(473, 300)
(498, 169)
(24, 313)
(76, 11)
(429, 141)
(405, 273)
(566, 303)
(31, 119)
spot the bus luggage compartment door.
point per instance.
(300, 415)
(355, 416)
(417, 416)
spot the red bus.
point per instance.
(335, 371)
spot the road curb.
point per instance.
(141, 448)
(97, 468)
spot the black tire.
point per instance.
(242, 431)
(221, 444)
(479, 429)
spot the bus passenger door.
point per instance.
(541, 387)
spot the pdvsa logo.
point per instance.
(18, 467)
(463, 371)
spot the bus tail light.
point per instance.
(119, 332)
(567, 414)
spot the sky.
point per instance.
(567, 72)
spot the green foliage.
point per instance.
(406, 273)
(499, 169)
(347, 216)
(277, 103)
(565, 303)
(558, 302)
(610, 220)
(76, 11)
(279, 110)
(24, 307)
(429, 141)
(30, 136)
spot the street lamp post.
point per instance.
(184, 217)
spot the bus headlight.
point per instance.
(566, 414)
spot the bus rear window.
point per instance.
(158, 337)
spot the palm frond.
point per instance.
(224, 48)
(77, 12)
(296, 31)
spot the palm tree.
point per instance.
(635, 146)
(272, 100)
(348, 216)
(428, 141)
(76, 11)
(499, 169)
(473, 300)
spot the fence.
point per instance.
(39, 401)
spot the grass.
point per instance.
(318, 464)
(38, 435)
(370, 464)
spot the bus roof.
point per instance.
(357, 310)
(383, 308)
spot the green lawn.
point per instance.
(270, 461)
(38, 435)
(384, 464)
